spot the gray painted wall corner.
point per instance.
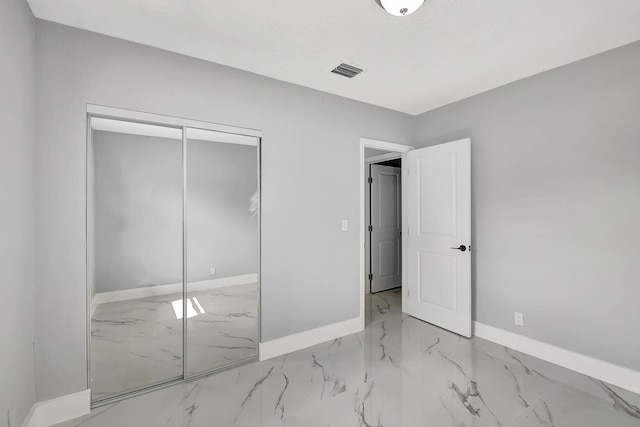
(17, 192)
(555, 195)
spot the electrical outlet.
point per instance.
(519, 319)
(212, 271)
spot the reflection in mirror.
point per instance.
(222, 249)
(135, 255)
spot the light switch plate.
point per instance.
(345, 225)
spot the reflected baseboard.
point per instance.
(174, 288)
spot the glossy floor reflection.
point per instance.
(138, 342)
(398, 372)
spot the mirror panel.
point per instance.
(135, 268)
(222, 249)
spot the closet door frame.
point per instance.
(100, 111)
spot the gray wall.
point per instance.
(138, 210)
(310, 269)
(556, 199)
(17, 124)
(137, 222)
(222, 231)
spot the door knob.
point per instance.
(461, 248)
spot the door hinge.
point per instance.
(370, 228)
(370, 180)
(370, 276)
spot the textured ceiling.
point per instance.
(446, 51)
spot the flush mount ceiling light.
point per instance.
(400, 7)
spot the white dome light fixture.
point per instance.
(400, 7)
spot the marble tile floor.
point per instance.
(139, 342)
(398, 372)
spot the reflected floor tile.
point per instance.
(562, 407)
(383, 305)
(393, 399)
(398, 372)
(245, 396)
(323, 371)
(606, 394)
(139, 342)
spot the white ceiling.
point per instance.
(446, 51)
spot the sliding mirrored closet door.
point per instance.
(136, 269)
(173, 237)
(222, 249)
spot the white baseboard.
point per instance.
(587, 365)
(305, 339)
(55, 411)
(29, 419)
(174, 288)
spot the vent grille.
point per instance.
(346, 70)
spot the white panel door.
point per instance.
(386, 228)
(438, 235)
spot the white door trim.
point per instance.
(378, 145)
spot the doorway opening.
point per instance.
(383, 225)
(435, 231)
(381, 264)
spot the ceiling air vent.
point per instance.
(346, 70)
